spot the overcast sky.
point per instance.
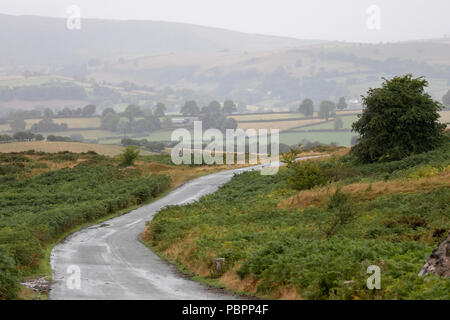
(313, 19)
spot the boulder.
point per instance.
(438, 262)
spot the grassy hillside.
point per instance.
(45, 196)
(317, 244)
(49, 41)
(54, 147)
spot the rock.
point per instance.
(438, 262)
(40, 285)
(219, 263)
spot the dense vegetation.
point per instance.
(36, 208)
(399, 119)
(321, 251)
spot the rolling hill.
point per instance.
(40, 40)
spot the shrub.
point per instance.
(129, 155)
(305, 175)
(8, 275)
(424, 172)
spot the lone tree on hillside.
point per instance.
(399, 119)
(129, 155)
(326, 109)
(342, 104)
(160, 110)
(229, 107)
(89, 110)
(306, 107)
(190, 108)
(214, 107)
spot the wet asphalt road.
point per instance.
(114, 264)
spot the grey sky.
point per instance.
(313, 19)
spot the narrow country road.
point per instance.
(114, 264)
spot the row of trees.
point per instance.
(326, 108)
(44, 125)
(87, 111)
(29, 136)
(134, 119)
(190, 108)
(214, 115)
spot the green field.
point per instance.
(347, 124)
(341, 138)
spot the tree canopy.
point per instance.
(326, 109)
(342, 104)
(306, 107)
(190, 108)
(399, 119)
(229, 107)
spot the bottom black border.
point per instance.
(227, 309)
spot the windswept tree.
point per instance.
(229, 107)
(48, 113)
(214, 107)
(399, 119)
(326, 109)
(110, 121)
(160, 110)
(107, 110)
(132, 111)
(306, 107)
(89, 110)
(190, 108)
(204, 110)
(342, 104)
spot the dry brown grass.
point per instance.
(180, 252)
(231, 280)
(54, 147)
(366, 191)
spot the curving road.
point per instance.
(114, 264)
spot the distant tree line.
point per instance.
(87, 111)
(29, 136)
(133, 119)
(153, 146)
(214, 115)
(326, 108)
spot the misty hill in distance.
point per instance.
(176, 62)
(38, 40)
